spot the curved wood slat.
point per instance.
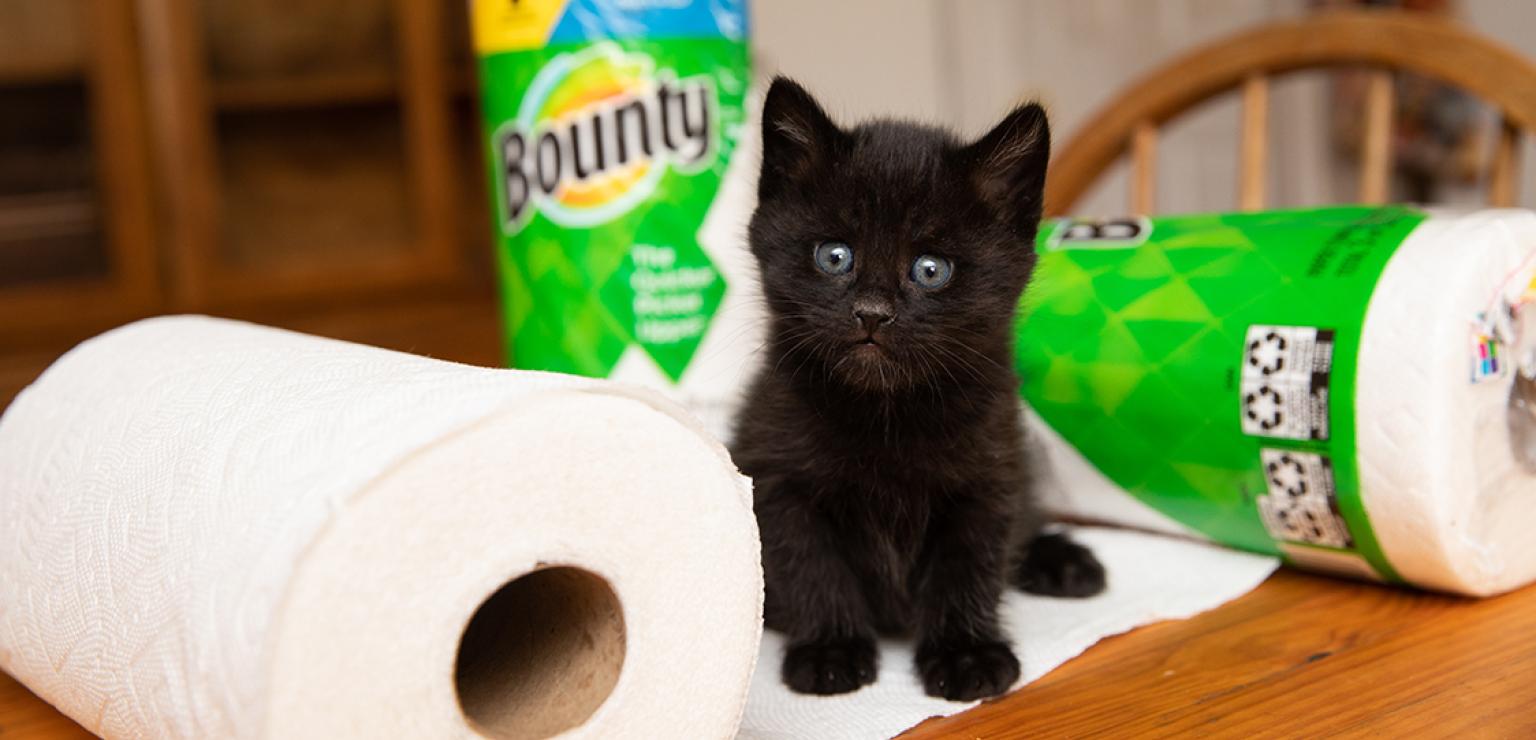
(1144, 168)
(1376, 148)
(1254, 148)
(1424, 45)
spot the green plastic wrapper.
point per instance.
(1343, 387)
(610, 128)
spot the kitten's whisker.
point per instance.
(963, 363)
(929, 357)
(807, 337)
(982, 355)
(819, 346)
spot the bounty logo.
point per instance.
(595, 133)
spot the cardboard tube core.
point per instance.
(1522, 421)
(541, 654)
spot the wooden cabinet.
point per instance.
(292, 154)
(76, 236)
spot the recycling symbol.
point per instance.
(1263, 408)
(1268, 353)
(1288, 475)
(1315, 528)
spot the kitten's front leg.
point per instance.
(813, 596)
(962, 653)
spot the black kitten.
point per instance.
(883, 432)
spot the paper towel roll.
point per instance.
(1441, 466)
(1444, 449)
(212, 529)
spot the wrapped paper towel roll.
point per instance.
(1347, 387)
(636, 269)
(212, 529)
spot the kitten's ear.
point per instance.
(1008, 164)
(798, 137)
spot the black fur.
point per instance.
(892, 489)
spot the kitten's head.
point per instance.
(892, 255)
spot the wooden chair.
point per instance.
(1381, 41)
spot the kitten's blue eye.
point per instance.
(834, 258)
(931, 272)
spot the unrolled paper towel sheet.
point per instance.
(1151, 578)
(210, 529)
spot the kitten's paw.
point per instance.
(835, 667)
(1054, 565)
(968, 672)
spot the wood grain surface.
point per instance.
(1301, 656)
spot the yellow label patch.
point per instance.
(514, 25)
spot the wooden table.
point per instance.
(1300, 656)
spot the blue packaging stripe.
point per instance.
(585, 21)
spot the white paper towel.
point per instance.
(211, 529)
(1151, 578)
(1441, 480)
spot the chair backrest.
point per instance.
(1382, 42)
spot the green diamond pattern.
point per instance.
(568, 292)
(664, 298)
(1132, 354)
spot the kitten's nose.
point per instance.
(873, 314)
